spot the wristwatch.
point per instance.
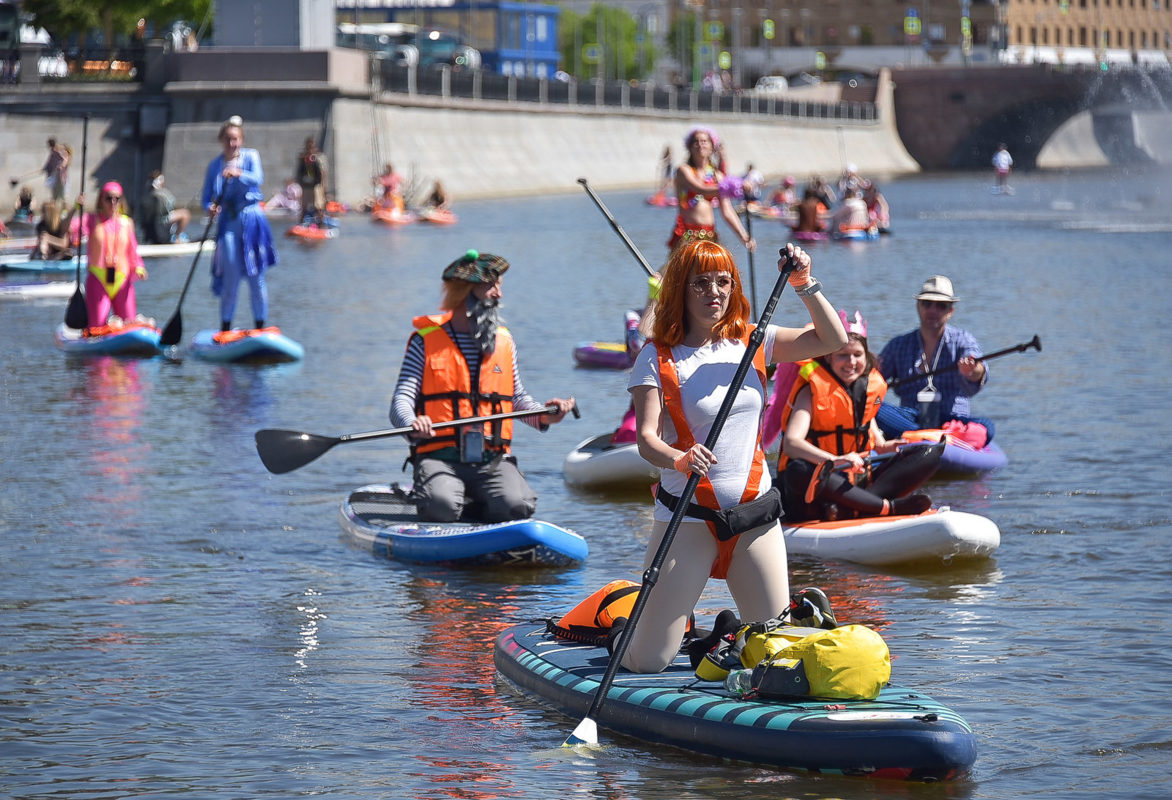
(810, 289)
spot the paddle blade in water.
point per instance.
(586, 733)
(173, 332)
(284, 451)
(76, 316)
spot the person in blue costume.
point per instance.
(244, 241)
(931, 401)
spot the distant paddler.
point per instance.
(700, 186)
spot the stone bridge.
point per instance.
(953, 118)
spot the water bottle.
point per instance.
(739, 681)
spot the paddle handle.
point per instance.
(651, 575)
(617, 229)
(85, 141)
(1034, 343)
(457, 423)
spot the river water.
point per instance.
(176, 621)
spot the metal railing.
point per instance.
(458, 84)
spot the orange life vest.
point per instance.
(106, 255)
(447, 393)
(705, 494)
(832, 411)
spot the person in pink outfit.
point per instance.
(113, 259)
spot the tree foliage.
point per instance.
(112, 20)
(623, 48)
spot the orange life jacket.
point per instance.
(105, 254)
(447, 393)
(705, 494)
(833, 412)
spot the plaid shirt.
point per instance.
(903, 357)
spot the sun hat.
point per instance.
(476, 267)
(937, 287)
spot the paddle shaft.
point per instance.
(622, 234)
(752, 271)
(651, 576)
(76, 313)
(174, 330)
(457, 423)
(1035, 343)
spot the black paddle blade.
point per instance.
(173, 332)
(1035, 343)
(76, 315)
(284, 451)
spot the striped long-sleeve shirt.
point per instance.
(411, 379)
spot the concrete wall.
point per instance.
(492, 149)
(477, 148)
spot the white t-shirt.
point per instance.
(705, 374)
(1002, 161)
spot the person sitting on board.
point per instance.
(244, 240)
(851, 216)
(390, 186)
(830, 416)
(810, 213)
(784, 197)
(23, 213)
(877, 209)
(639, 325)
(52, 233)
(112, 259)
(163, 223)
(438, 200)
(469, 472)
(928, 402)
(699, 186)
(678, 384)
(287, 199)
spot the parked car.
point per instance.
(771, 84)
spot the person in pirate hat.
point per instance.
(462, 363)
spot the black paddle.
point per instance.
(1035, 343)
(76, 314)
(174, 330)
(283, 451)
(587, 730)
(622, 234)
(752, 272)
(13, 181)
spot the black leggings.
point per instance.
(891, 478)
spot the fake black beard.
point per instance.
(484, 316)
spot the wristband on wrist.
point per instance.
(812, 288)
(683, 463)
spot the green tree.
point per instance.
(113, 19)
(613, 34)
(681, 40)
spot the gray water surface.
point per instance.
(176, 621)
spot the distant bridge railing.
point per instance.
(449, 83)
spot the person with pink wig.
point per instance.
(113, 260)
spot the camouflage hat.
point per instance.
(476, 267)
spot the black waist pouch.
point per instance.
(731, 521)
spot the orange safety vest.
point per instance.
(107, 259)
(447, 393)
(833, 413)
(669, 381)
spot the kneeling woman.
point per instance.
(830, 416)
(678, 384)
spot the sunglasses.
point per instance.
(943, 305)
(702, 285)
(112, 197)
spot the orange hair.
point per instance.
(455, 294)
(671, 310)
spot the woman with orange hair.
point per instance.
(678, 384)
